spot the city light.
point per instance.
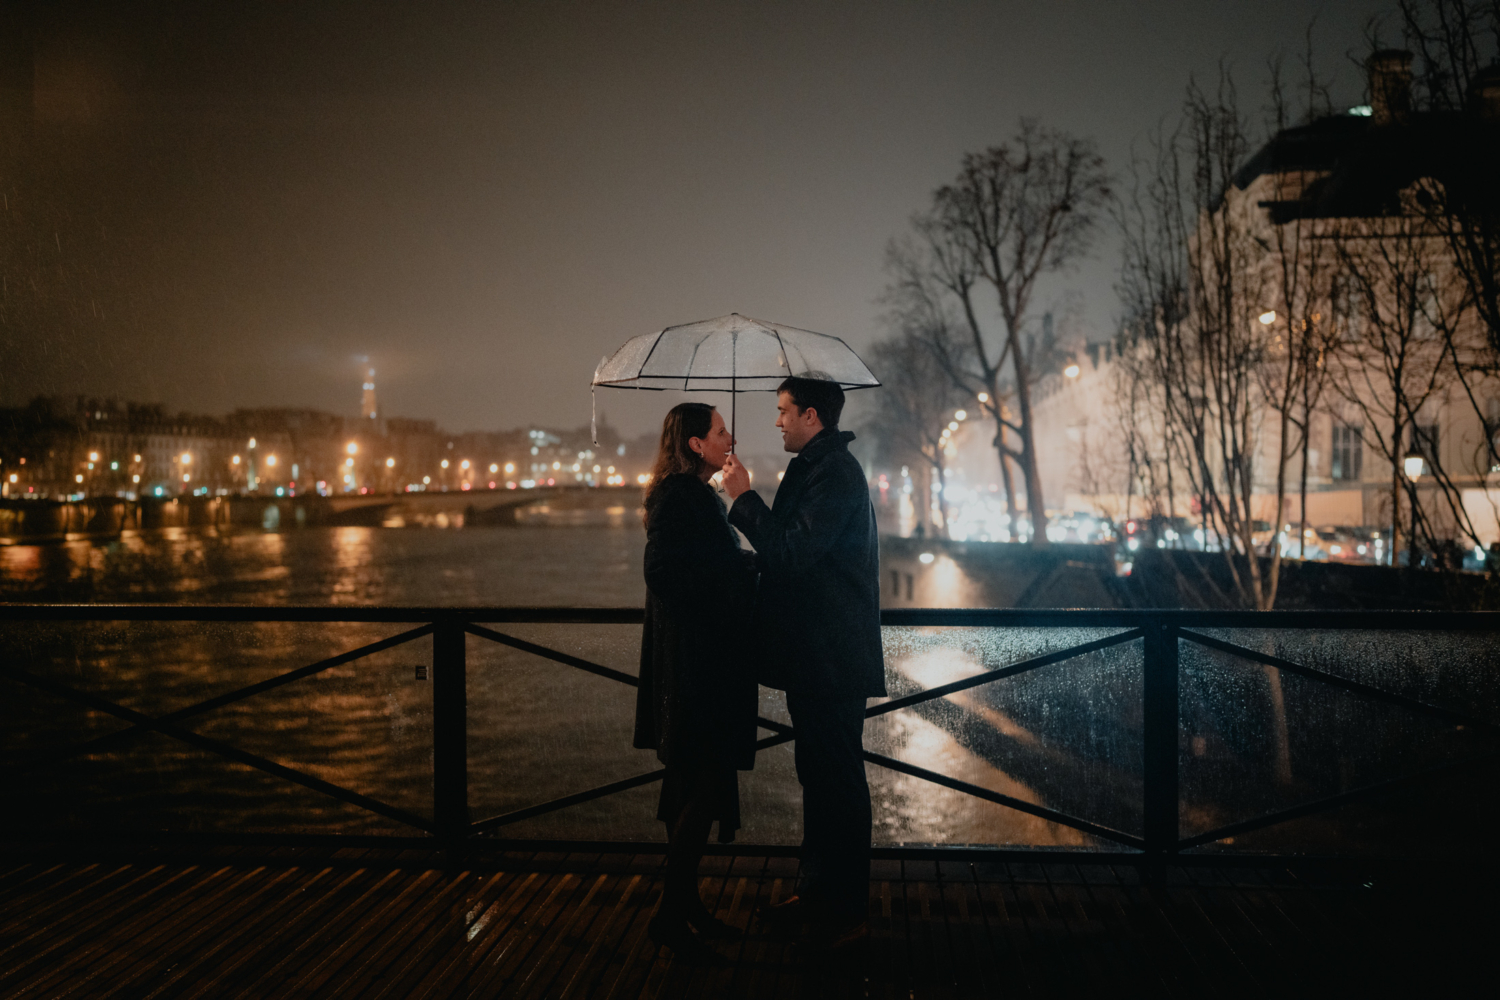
(426, 480)
(390, 463)
(1412, 465)
(352, 448)
(137, 458)
(186, 458)
(186, 478)
(961, 415)
(14, 477)
(643, 478)
(133, 479)
(444, 463)
(1268, 317)
(510, 467)
(93, 456)
(78, 478)
(464, 464)
(953, 425)
(926, 558)
(271, 460)
(494, 467)
(984, 397)
(235, 460)
(114, 466)
(250, 445)
(1072, 371)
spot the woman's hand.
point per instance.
(736, 477)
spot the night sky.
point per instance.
(223, 205)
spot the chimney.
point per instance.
(1484, 93)
(1390, 86)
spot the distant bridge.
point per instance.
(28, 522)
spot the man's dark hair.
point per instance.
(812, 393)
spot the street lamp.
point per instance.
(1072, 370)
(1413, 465)
(1267, 318)
(352, 448)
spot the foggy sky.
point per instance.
(237, 201)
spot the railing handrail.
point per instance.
(1403, 620)
(1160, 631)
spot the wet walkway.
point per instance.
(314, 922)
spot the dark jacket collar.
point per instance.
(825, 442)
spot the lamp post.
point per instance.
(1413, 465)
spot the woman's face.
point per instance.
(714, 448)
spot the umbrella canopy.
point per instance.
(733, 353)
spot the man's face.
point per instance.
(797, 426)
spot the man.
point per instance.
(819, 613)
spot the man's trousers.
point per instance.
(835, 802)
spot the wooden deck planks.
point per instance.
(379, 925)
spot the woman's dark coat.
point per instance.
(698, 698)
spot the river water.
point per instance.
(1068, 737)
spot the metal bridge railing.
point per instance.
(1164, 635)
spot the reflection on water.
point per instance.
(590, 565)
(1067, 736)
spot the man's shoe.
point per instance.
(711, 927)
(674, 933)
(788, 914)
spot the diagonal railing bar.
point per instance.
(1000, 673)
(219, 747)
(1005, 800)
(552, 654)
(600, 792)
(1333, 801)
(101, 744)
(784, 735)
(1333, 680)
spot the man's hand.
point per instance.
(736, 478)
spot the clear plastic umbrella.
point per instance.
(731, 354)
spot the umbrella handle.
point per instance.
(734, 397)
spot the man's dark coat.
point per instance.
(819, 607)
(697, 700)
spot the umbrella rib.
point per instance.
(647, 359)
(781, 344)
(688, 375)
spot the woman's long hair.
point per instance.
(683, 421)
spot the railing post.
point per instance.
(450, 733)
(1161, 750)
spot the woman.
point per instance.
(696, 704)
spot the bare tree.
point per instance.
(1296, 370)
(1394, 360)
(915, 407)
(1196, 281)
(1015, 213)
